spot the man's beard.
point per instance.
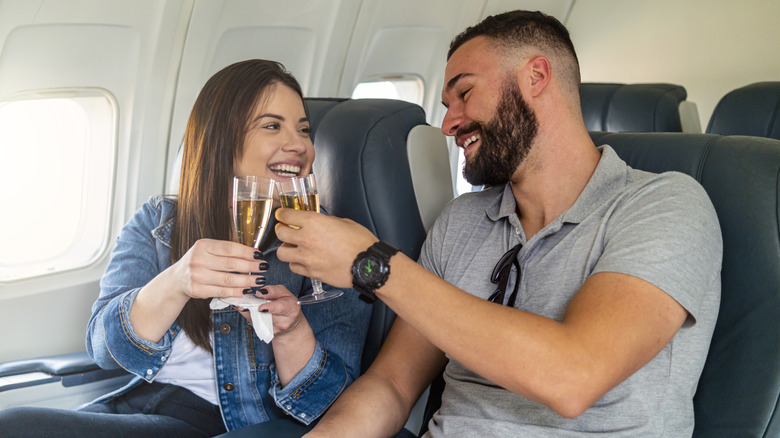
(504, 141)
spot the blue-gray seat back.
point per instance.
(363, 174)
(750, 110)
(740, 385)
(632, 107)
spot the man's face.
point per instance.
(506, 139)
(486, 113)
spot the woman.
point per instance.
(198, 371)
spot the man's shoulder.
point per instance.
(479, 200)
(671, 183)
(467, 210)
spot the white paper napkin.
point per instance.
(262, 322)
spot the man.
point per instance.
(598, 316)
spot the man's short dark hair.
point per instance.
(518, 30)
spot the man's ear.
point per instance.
(539, 68)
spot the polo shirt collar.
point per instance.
(610, 170)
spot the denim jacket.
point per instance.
(248, 386)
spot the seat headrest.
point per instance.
(317, 107)
(632, 107)
(363, 171)
(751, 110)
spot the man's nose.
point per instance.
(452, 121)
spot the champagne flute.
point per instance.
(302, 194)
(253, 200)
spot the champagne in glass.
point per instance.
(302, 194)
(253, 198)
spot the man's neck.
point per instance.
(551, 179)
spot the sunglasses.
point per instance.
(501, 273)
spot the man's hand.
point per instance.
(320, 246)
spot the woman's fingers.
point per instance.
(227, 256)
(284, 307)
(214, 268)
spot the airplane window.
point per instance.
(461, 185)
(53, 221)
(406, 87)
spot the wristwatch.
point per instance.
(371, 269)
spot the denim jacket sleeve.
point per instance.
(137, 258)
(340, 326)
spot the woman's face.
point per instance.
(277, 143)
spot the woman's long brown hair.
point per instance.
(213, 141)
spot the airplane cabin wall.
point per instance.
(708, 46)
(310, 37)
(131, 50)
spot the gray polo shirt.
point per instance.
(659, 227)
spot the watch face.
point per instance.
(369, 269)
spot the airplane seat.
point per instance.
(750, 110)
(364, 173)
(739, 389)
(613, 107)
(316, 107)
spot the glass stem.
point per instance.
(316, 285)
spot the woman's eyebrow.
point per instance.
(271, 115)
(278, 117)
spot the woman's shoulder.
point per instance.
(157, 212)
(162, 207)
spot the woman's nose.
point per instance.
(295, 142)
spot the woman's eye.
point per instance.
(271, 126)
(305, 130)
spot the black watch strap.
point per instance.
(383, 249)
(371, 269)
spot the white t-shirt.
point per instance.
(190, 367)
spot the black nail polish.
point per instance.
(263, 291)
(264, 310)
(247, 291)
(264, 266)
(260, 281)
(258, 255)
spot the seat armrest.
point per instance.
(71, 369)
(55, 365)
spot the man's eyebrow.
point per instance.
(454, 80)
(451, 83)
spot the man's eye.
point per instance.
(464, 93)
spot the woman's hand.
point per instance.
(321, 246)
(282, 305)
(293, 341)
(218, 268)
